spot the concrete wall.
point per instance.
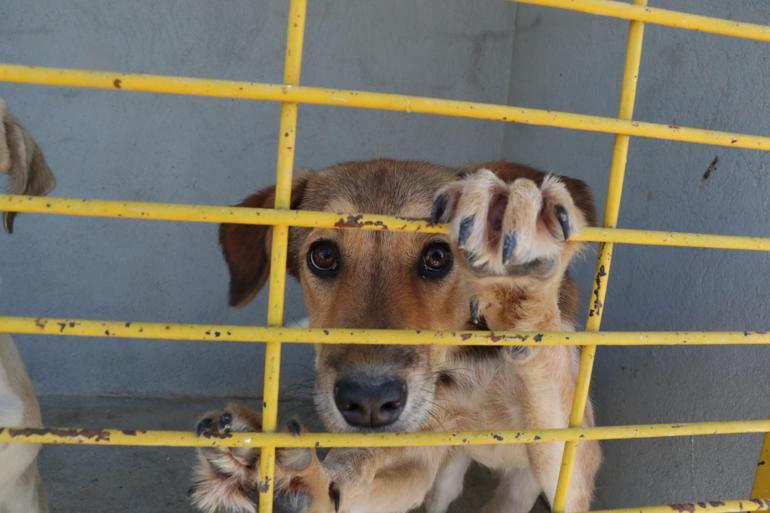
(104, 144)
(574, 62)
(161, 148)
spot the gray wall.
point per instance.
(574, 62)
(137, 146)
(161, 148)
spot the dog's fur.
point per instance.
(21, 490)
(508, 230)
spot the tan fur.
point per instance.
(450, 389)
(21, 490)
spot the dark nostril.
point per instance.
(391, 406)
(367, 402)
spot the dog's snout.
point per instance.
(370, 403)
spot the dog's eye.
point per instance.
(323, 258)
(436, 261)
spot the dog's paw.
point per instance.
(508, 229)
(227, 479)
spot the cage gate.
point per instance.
(290, 93)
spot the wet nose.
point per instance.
(370, 403)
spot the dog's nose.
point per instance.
(370, 403)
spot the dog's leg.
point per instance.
(382, 480)
(546, 462)
(516, 492)
(449, 482)
(514, 237)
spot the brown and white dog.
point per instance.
(21, 490)
(502, 266)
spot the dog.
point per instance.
(21, 489)
(502, 266)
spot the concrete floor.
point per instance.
(85, 479)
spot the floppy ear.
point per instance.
(246, 247)
(23, 162)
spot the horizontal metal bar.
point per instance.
(369, 100)
(659, 16)
(726, 506)
(212, 214)
(312, 219)
(225, 333)
(420, 439)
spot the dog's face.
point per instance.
(379, 280)
(365, 279)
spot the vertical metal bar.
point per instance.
(761, 488)
(285, 165)
(611, 212)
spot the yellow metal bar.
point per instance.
(761, 486)
(369, 100)
(377, 439)
(658, 16)
(611, 212)
(212, 214)
(730, 506)
(287, 136)
(312, 219)
(230, 333)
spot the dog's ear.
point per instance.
(23, 162)
(246, 247)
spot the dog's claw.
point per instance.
(225, 421)
(334, 495)
(509, 244)
(204, 426)
(294, 428)
(517, 352)
(8, 218)
(439, 208)
(466, 227)
(475, 312)
(561, 215)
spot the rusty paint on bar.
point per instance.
(723, 506)
(378, 101)
(82, 436)
(287, 138)
(231, 333)
(604, 260)
(314, 219)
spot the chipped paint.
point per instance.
(97, 435)
(597, 304)
(355, 221)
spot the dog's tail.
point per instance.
(22, 160)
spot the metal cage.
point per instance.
(291, 94)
